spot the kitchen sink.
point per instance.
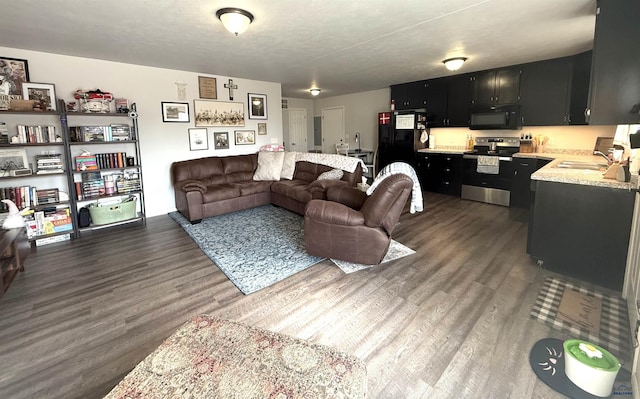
(583, 165)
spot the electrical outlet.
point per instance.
(274, 140)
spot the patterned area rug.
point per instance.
(255, 247)
(396, 251)
(214, 358)
(614, 327)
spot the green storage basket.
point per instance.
(113, 213)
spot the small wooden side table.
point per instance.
(10, 259)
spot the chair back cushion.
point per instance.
(384, 206)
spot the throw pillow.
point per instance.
(335, 174)
(288, 166)
(269, 165)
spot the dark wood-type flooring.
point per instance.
(451, 321)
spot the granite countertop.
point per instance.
(451, 150)
(551, 172)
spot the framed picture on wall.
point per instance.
(218, 113)
(207, 87)
(175, 112)
(257, 106)
(245, 137)
(262, 128)
(221, 140)
(198, 139)
(44, 95)
(13, 73)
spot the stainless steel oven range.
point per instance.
(487, 170)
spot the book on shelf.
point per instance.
(92, 184)
(120, 132)
(23, 197)
(49, 163)
(37, 134)
(51, 220)
(47, 196)
(86, 162)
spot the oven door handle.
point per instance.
(468, 156)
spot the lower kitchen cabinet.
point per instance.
(441, 173)
(581, 231)
(523, 168)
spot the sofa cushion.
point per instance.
(306, 171)
(334, 174)
(239, 167)
(288, 165)
(269, 165)
(294, 189)
(253, 187)
(220, 192)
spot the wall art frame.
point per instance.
(257, 106)
(41, 92)
(13, 73)
(245, 137)
(175, 112)
(198, 139)
(207, 88)
(262, 128)
(221, 140)
(218, 113)
(12, 159)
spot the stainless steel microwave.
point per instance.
(496, 118)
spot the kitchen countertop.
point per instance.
(458, 151)
(551, 172)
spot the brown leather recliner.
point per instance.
(355, 227)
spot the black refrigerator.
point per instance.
(399, 137)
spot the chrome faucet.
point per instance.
(602, 154)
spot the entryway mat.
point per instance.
(613, 333)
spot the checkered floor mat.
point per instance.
(614, 324)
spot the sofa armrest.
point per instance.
(191, 185)
(333, 213)
(318, 188)
(347, 195)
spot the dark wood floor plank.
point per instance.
(451, 320)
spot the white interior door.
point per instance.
(332, 128)
(297, 130)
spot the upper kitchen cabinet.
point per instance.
(501, 86)
(614, 95)
(581, 73)
(409, 95)
(459, 101)
(436, 102)
(545, 92)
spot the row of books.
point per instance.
(114, 132)
(29, 196)
(49, 163)
(94, 184)
(37, 134)
(101, 161)
(56, 219)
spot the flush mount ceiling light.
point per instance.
(453, 64)
(236, 20)
(315, 92)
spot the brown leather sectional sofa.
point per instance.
(213, 186)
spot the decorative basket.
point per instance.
(22, 105)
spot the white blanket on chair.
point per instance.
(348, 164)
(406, 169)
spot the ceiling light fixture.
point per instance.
(236, 20)
(453, 64)
(315, 92)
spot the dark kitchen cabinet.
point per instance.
(545, 92)
(436, 101)
(614, 96)
(501, 86)
(579, 97)
(523, 168)
(410, 95)
(441, 173)
(459, 101)
(567, 236)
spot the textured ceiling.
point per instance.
(338, 45)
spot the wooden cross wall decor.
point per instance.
(230, 86)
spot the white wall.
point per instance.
(360, 112)
(160, 143)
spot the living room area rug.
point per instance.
(254, 247)
(209, 357)
(396, 251)
(584, 314)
